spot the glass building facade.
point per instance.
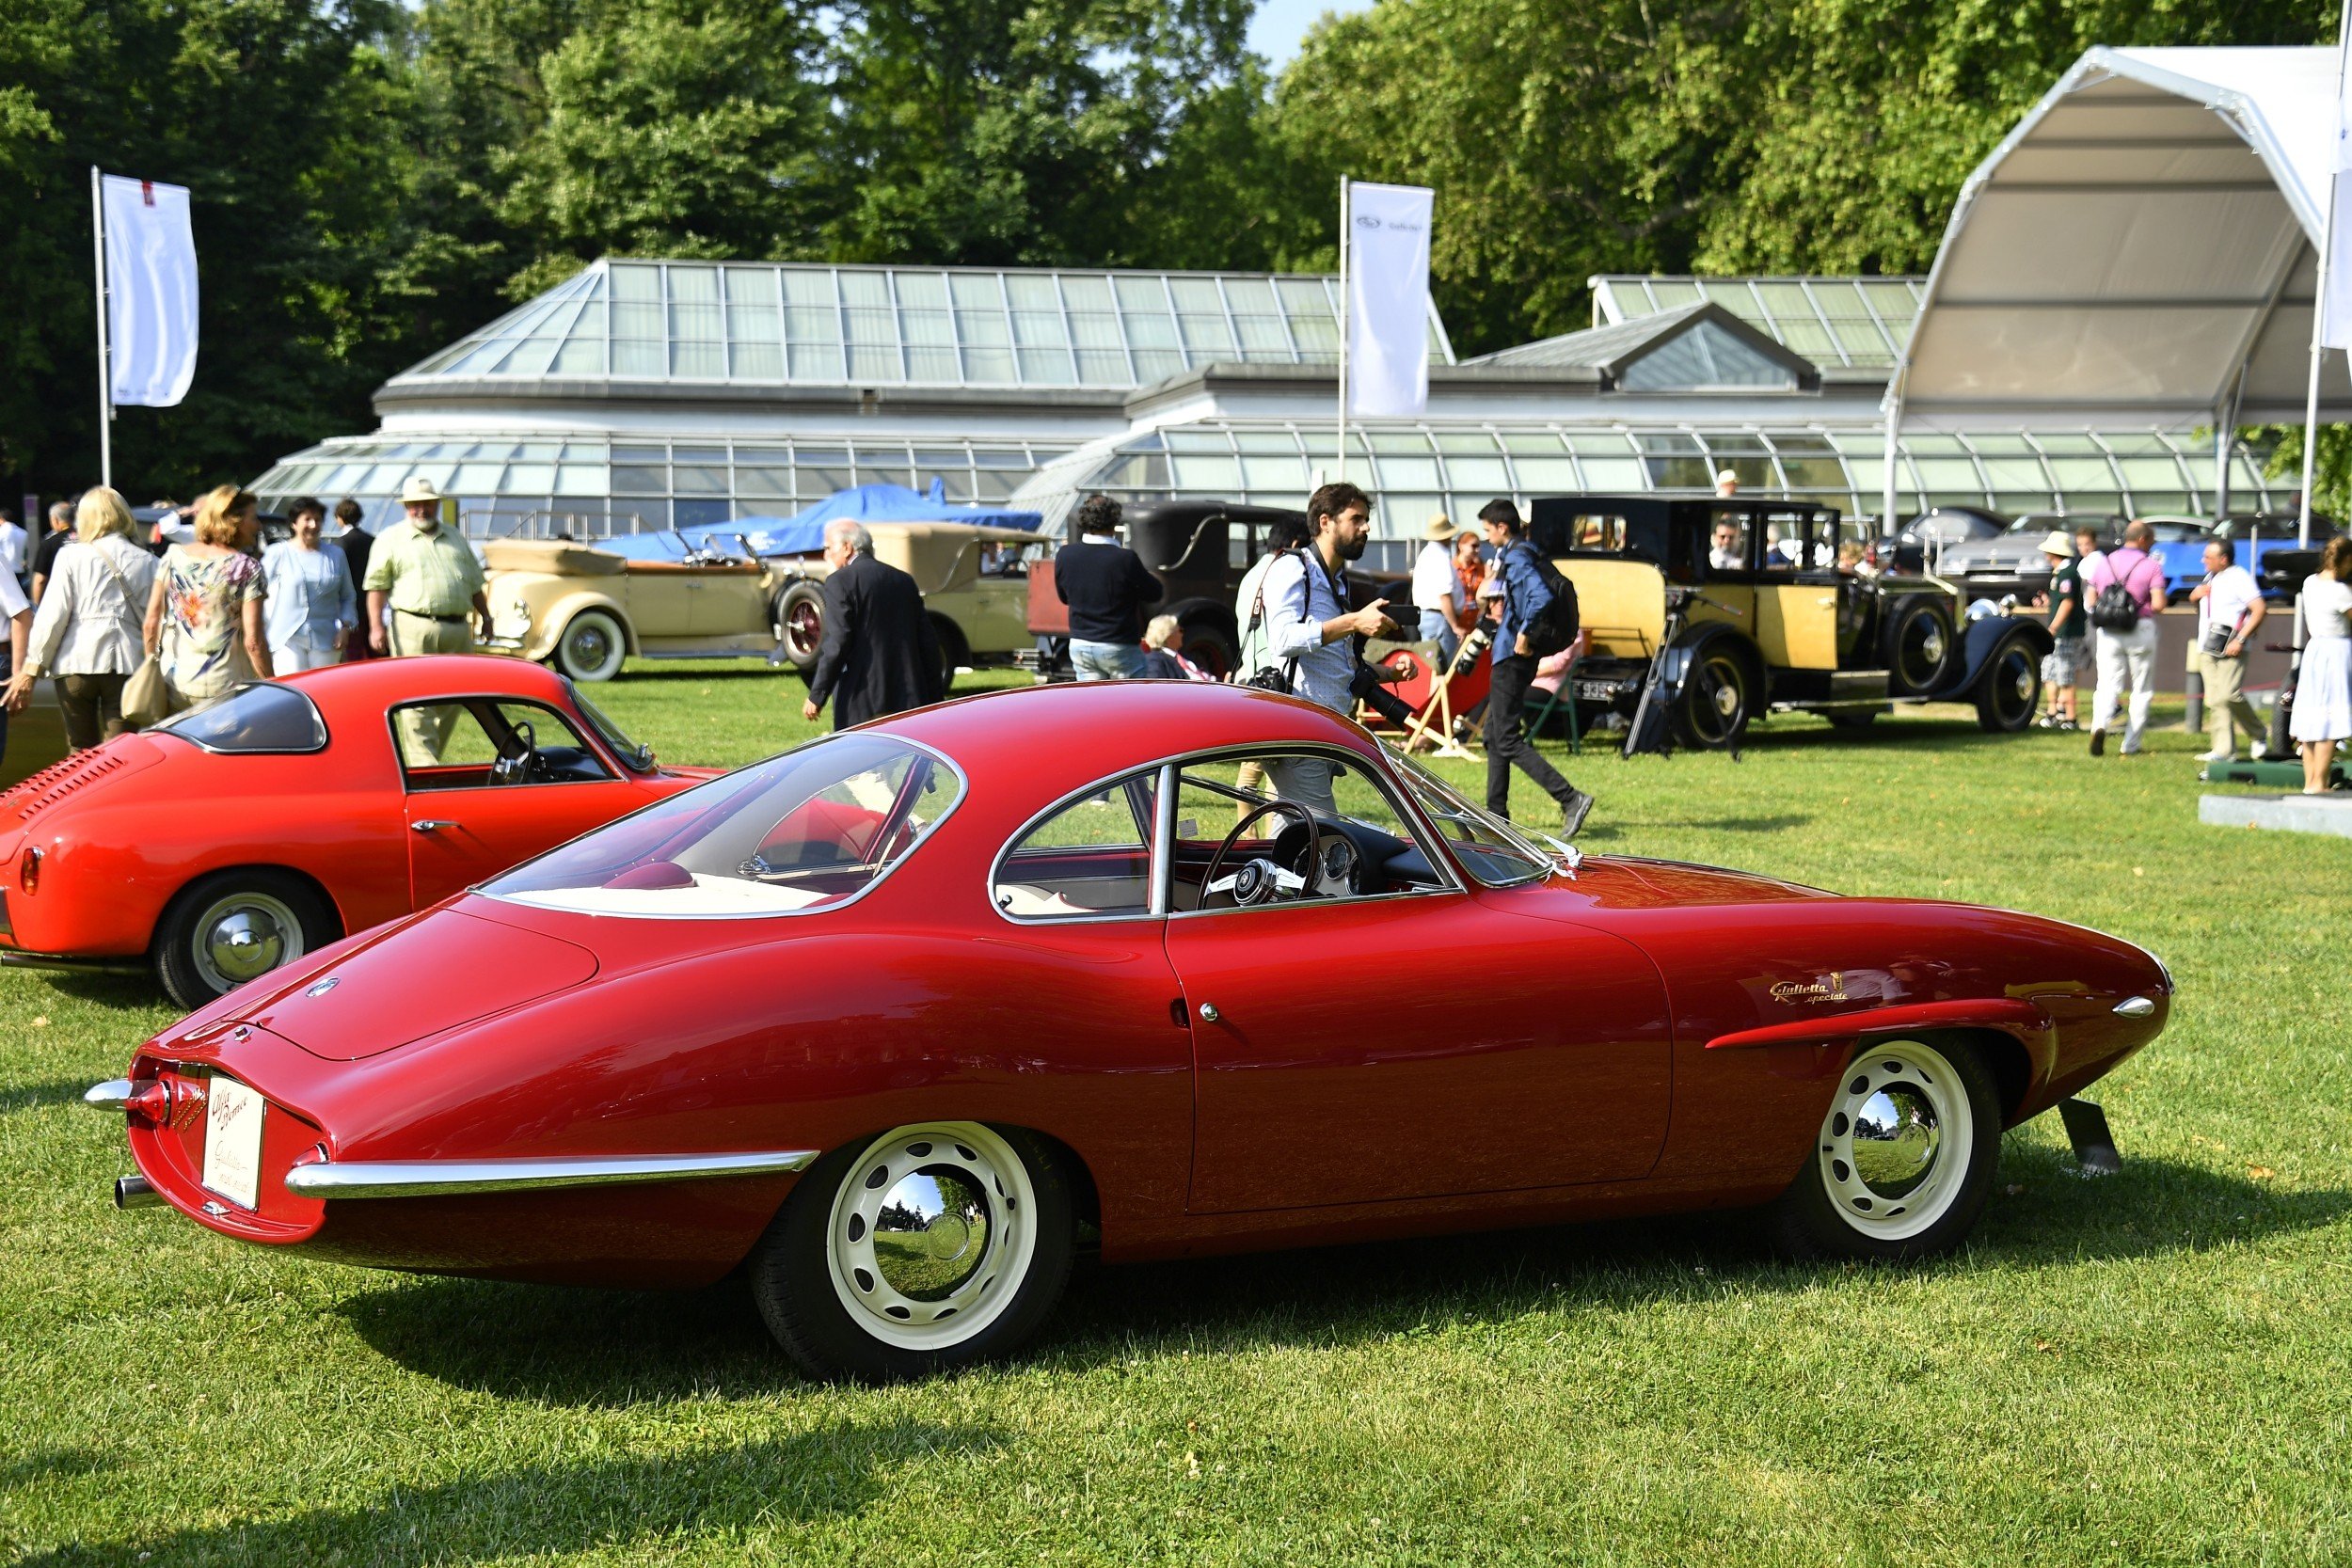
(1857, 323)
(1418, 469)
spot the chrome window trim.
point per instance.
(963, 791)
(1171, 767)
(327, 1178)
(317, 719)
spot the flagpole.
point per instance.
(105, 370)
(1340, 464)
(2319, 290)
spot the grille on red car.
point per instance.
(57, 781)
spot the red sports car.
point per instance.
(223, 843)
(905, 1016)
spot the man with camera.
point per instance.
(1530, 584)
(1315, 640)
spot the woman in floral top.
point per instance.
(204, 620)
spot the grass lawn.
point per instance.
(2147, 1368)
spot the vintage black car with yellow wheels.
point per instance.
(1719, 611)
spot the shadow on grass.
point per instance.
(558, 1508)
(610, 1348)
(1618, 828)
(59, 1091)
(51, 1464)
(121, 993)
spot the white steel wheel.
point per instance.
(932, 1234)
(1904, 1158)
(931, 1246)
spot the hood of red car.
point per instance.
(417, 978)
(1630, 884)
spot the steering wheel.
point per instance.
(1261, 881)
(515, 758)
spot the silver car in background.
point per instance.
(2011, 561)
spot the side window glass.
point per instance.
(1230, 850)
(1091, 859)
(480, 743)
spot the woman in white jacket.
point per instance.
(86, 635)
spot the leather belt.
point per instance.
(445, 620)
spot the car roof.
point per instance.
(1057, 738)
(369, 687)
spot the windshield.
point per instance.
(807, 830)
(634, 753)
(1489, 848)
(257, 718)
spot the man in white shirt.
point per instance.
(2228, 607)
(11, 546)
(1437, 593)
(1729, 550)
(1312, 631)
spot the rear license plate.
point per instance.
(233, 1142)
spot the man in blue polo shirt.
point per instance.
(1525, 596)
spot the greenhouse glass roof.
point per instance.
(1856, 323)
(780, 323)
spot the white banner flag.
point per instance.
(150, 290)
(2335, 276)
(1388, 299)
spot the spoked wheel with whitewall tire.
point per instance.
(233, 927)
(592, 646)
(1905, 1157)
(2009, 688)
(800, 623)
(1712, 711)
(930, 1247)
(1918, 646)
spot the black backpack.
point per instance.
(2115, 610)
(1554, 626)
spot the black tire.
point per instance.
(1717, 698)
(1919, 646)
(839, 1317)
(800, 623)
(234, 926)
(1839, 1206)
(954, 652)
(2008, 689)
(592, 646)
(1209, 644)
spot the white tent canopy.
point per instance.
(2139, 250)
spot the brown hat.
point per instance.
(1438, 529)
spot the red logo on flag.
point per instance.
(146, 192)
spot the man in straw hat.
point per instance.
(428, 578)
(2064, 602)
(1437, 593)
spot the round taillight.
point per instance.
(28, 869)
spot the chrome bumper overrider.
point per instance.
(450, 1177)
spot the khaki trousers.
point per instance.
(426, 731)
(2225, 702)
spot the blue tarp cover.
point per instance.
(803, 532)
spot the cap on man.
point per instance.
(1727, 482)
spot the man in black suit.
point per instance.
(879, 655)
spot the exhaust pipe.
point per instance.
(137, 1191)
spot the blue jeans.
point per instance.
(1107, 661)
(1436, 629)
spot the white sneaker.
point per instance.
(2260, 752)
(2222, 756)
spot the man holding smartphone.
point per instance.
(1311, 631)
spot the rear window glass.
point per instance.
(807, 830)
(253, 719)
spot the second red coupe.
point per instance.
(223, 843)
(902, 1019)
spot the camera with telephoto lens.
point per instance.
(1367, 688)
(1473, 648)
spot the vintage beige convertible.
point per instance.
(585, 610)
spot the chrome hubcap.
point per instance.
(2024, 682)
(1894, 1148)
(1726, 698)
(243, 936)
(590, 647)
(1931, 644)
(930, 1234)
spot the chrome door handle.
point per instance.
(431, 825)
(1208, 1013)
